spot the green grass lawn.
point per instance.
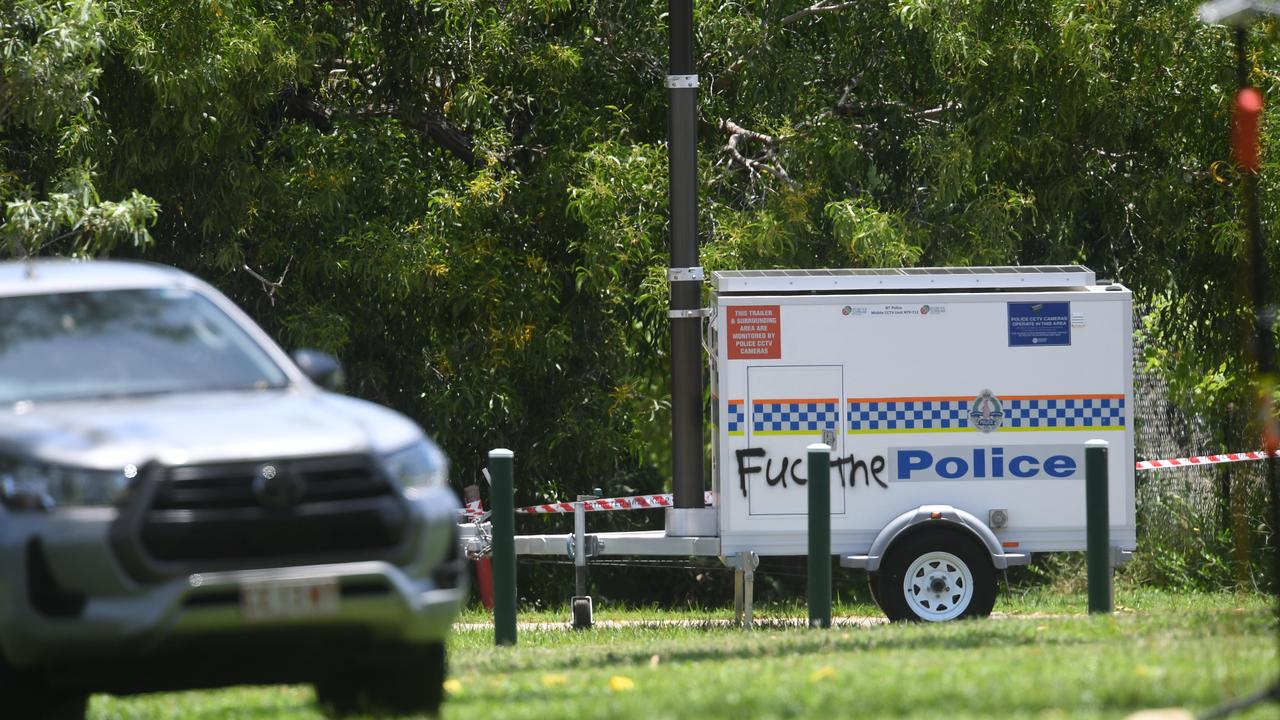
(1043, 659)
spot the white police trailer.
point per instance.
(957, 402)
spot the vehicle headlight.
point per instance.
(32, 485)
(417, 467)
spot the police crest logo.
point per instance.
(986, 413)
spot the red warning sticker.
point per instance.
(755, 332)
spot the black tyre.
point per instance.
(582, 619)
(339, 696)
(936, 575)
(411, 684)
(27, 695)
(56, 706)
(873, 584)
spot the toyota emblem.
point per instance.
(277, 489)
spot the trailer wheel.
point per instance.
(936, 575)
(582, 619)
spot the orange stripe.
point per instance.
(735, 402)
(784, 401)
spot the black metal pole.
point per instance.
(685, 274)
(1264, 337)
(1246, 137)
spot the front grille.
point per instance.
(230, 485)
(210, 513)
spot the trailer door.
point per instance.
(789, 408)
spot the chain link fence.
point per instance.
(1202, 526)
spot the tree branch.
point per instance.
(448, 136)
(768, 165)
(843, 106)
(299, 105)
(270, 286)
(822, 6)
(738, 130)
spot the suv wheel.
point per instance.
(26, 695)
(412, 683)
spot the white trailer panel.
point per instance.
(974, 389)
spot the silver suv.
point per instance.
(182, 505)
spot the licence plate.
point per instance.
(282, 599)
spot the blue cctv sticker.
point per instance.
(1039, 323)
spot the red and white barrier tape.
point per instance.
(1200, 460)
(634, 502)
(474, 510)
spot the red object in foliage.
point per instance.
(1248, 116)
(484, 582)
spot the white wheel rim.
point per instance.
(938, 586)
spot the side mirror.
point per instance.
(323, 368)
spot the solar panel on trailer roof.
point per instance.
(932, 278)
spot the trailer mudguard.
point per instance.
(944, 514)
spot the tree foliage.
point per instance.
(466, 200)
(49, 72)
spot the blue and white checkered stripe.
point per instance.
(785, 416)
(1049, 413)
(885, 415)
(944, 415)
(737, 417)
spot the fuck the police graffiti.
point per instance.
(933, 464)
(755, 461)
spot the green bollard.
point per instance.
(819, 535)
(501, 462)
(1098, 530)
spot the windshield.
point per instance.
(122, 343)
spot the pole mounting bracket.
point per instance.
(677, 82)
(695, 313)
(684, 274)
